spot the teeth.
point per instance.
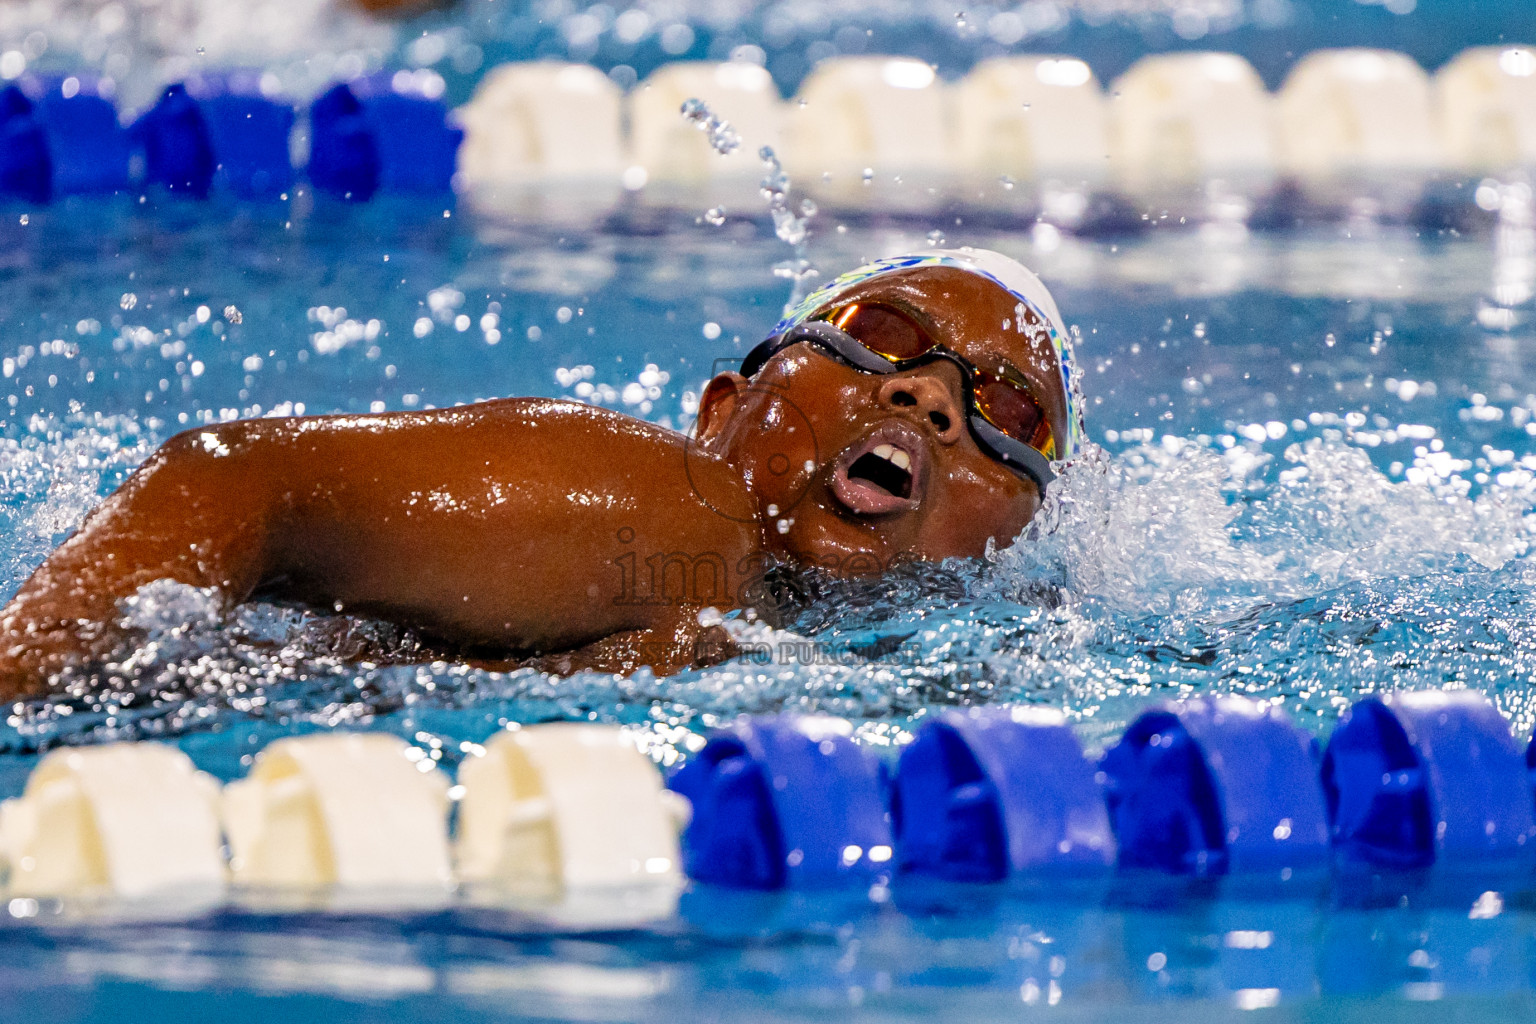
(895, 456)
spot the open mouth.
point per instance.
(882, 473)
(887, 468)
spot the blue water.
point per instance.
(1315, 482)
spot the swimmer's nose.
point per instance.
(927, 398)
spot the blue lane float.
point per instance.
(1530, 762)
(218, 132)
(986, 793)
(382, 135)
(1419, 779)
(59, 136)
(1216, 786)
(784, 802)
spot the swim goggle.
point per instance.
(1006, 420)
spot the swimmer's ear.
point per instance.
(717, 404)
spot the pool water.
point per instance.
(1313, 478)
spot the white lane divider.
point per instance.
(353, 811)
(1183, 118)
(541, 120)
(870, 131)
(553, 819)
(1031, 118)
(566, 805)
(1486, 109)
(1348, 115)
(544, 141)
(129, 820)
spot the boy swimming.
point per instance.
(910, 409)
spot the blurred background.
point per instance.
(309, 42)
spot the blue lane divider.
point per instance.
(218, 131)
(1530, 762)
(59, 136)
(987, 792)
(1201, 787)
(784, 802)
(1416, 779)
(1216, 786)
(381, 134)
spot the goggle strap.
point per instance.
(848, 348)
(1016, 453)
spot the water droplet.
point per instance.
(723, 139)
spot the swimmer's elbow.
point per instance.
(212, 480)
(205, 444)
(224, 461)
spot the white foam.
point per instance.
(1165, 529)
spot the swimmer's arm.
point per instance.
(524, 526)
(183, 516)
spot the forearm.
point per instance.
(189, 515)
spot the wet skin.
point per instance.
(528, 531)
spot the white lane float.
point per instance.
(360, 816)
(870, 132)
(1347, 117)
(566, 805)
(1025, 120)
(544, 139)
(569, 822)
(1485, 103)
(1185, 119)
(124, 820)
(677, 157)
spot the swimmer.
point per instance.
(911, 409)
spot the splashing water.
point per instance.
(723, 139)
(1308, 578)
(792, 229)
(54, 473)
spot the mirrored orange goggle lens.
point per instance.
(883, 331)
(1010, 409)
